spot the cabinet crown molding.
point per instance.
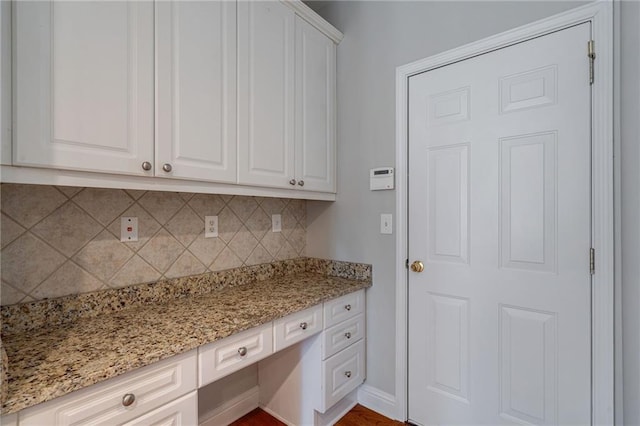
(309, 15)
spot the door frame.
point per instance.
(600, 15)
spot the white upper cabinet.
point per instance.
(266, 49)
(315, 109)
(206, 94)
(196, 90)
(84, 85)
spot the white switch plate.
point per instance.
(276, 223)
(128, 229)
(211, 226)
(386, 223)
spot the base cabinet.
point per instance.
(293, 388)
(122, 399)
(310, 364)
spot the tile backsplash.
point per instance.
(57, 240)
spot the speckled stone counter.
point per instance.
(53, 360)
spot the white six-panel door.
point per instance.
(196, 90)
(500, 215)
(266, 33)
(84, 85)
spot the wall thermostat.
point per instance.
(381, 178)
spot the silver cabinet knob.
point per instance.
(292, 182)
(128, 399)
(303, 325)
(146, 166)
(301, 182)
(242, 351)
(347, 335)
(347, 307)
(348, 374)
(166, 167)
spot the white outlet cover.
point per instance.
(211, 226)
(386, 223)
(276, 223)
(128, 229)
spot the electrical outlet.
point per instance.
(128, 229)
(386, 224)
(211, 226)
(276, 223)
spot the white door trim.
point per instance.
(600, 14)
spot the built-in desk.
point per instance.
(169, 349)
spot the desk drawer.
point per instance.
(341, 374)
(296, 327)
(181, 412)
(103, 403)
(343, 308)
(342, 335)
(233, 353)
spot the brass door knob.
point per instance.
(417, 266)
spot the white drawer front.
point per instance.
(233, 353)
(102, 404)
(342, 335)
(181, 412)
(341, 374)
(343, 308)
(296, 327)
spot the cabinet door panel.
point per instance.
(315, 108)
(84, 85)
(196, 90)
(265, 96)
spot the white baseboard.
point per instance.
(378, 401)
(330, 417)
(335, 413)
(233, 409)
(276, 415)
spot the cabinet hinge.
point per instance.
(591, 54)
(592, 261)
(406, 263)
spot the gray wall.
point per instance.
(630, 202)
(379, 36)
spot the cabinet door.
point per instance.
(84, 85)
(315, 109)
(196, 90)
(265, 93)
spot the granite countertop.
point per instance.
(51, 361)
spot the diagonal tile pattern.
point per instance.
(66, 240)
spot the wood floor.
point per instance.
(358, 416)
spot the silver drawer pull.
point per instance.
(292, 182)
(348, 374)
(242, 351)
(303, 325)
(347, 335)
(128, 399)
(348, 307)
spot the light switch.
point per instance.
(386, 223)
(276, 223)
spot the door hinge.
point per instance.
(592, 261)
(591, 53)
(406, 263)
